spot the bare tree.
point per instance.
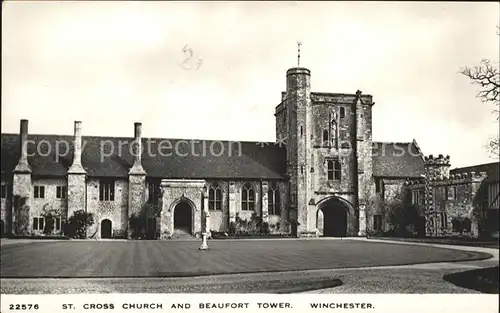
(486, 75)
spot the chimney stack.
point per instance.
(76, 167)
(22, 165)
(137, 150)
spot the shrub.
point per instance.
(265, 228)
(232, 228)
(136, 224)
(78, 224)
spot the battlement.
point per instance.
(437, 161)
(415, 182)
(461, 178)
(340, 98)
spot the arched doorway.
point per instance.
(105, 229)
(183, 218)
(2, 229)
(332, 217)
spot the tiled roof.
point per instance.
(491, 169)
(194, 160)
(397, 159)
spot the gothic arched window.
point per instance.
(247, 198)
(274, 200)
(325, 137)
(215, 198)
(342, 112)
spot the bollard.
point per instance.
(204, 244)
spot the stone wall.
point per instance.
(50, 203)
(21, 203)
(451, 198)
(6, 206)
(231, 205)
(116, 211)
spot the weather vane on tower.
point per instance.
(299, 43)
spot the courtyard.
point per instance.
(122, 259)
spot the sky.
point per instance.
(110, 64)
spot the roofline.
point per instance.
(10, 174)
(399, 177)
(477, 165)
(153, 138)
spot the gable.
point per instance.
(397, 160)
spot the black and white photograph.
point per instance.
(310, 148)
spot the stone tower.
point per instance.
(299, 141)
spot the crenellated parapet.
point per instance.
(439, 160)
(437, 167)
(415, 183)
(456, 179)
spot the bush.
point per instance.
(461, 224)
(232, 228)
(265, 228)
(78, 224)
(136, 224)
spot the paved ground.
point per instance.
(328, 257)
(182, 258)
(472, 242)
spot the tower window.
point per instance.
(301, 131)
(333, 170)
(337, 170)
(325, 137)
(247, 198)
(342, 112)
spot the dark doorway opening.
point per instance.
(2, 229)
(183, 218)
(106, 229)
(151, 228)
(335, 215)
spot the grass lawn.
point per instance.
(182, 258)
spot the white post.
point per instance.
(204, 234)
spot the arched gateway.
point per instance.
(183, 218)
(333, 217)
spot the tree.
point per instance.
(486, 75)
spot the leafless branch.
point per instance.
(487, 77)
(493, 147)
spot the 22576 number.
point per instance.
(23, 307)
